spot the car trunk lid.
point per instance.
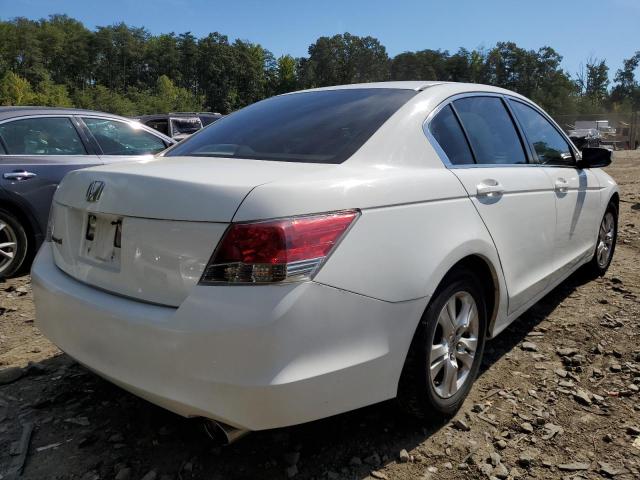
(175, 188)
(146, 230)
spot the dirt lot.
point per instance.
(557, 398)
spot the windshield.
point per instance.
(325, 126)
(185, 125)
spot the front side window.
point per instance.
(121, 138)
(41, 136)
(447, 132)
(326, 126)
(491, 131)
(551, 148)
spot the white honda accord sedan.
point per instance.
(321, 251)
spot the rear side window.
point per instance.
(551, 148)
(120, 138)
(491, 132)
(41, 136)
(447, 132)
(311, 127)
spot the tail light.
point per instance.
(287, 249)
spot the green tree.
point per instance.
(51, 94)
(287, 79)
(15, 90)
(346, 58)
(167, 97)
(162, 57)
(216, 61)
(66, 44)
(103, 99)
(626, 91)
(187, 45)
(597, 81)
(125, 69)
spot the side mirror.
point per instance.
(595, 157)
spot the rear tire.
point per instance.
(444, 357)
(13, 244)
(605, 243)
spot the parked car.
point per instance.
(179, 125)
(321, 251)
(38, 146)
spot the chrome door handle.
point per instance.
(19, 175)
(489, 188)
(562, 185)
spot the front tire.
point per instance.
(13, 244)
(446, 351)
(606, 242)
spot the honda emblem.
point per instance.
(94, 191)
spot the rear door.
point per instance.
(577, 191)
(513, 196)
(37, 152)
(120, 140)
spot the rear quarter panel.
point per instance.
(415, 224)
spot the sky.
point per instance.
(578, 29)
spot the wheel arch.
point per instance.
(490, 276)
(615, 199)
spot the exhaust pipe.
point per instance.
(221, 433)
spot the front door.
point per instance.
(577, 191)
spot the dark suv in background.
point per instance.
(179, 125)
(38, 146)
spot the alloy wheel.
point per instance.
(8, 245)
(605, 240)
(454, 344)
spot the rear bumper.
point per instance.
(255, 357)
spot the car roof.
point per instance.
(163, 116)
(417, 85)
(11, 112)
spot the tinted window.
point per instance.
(319, 127)
(551, 148)
(446, 130)
(185, 125)
(120, 138)
(160, 125)
(493, 136)
(208, 119)
(41, 136)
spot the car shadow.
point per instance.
(121, 429)
(520, 328)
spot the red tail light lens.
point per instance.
(276, 250)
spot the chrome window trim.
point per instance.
(531, 157)
(48, 115)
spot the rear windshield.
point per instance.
(311, 127)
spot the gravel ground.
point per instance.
(557, 398)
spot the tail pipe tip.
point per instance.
(222, 433)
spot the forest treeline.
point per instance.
(126, 70)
